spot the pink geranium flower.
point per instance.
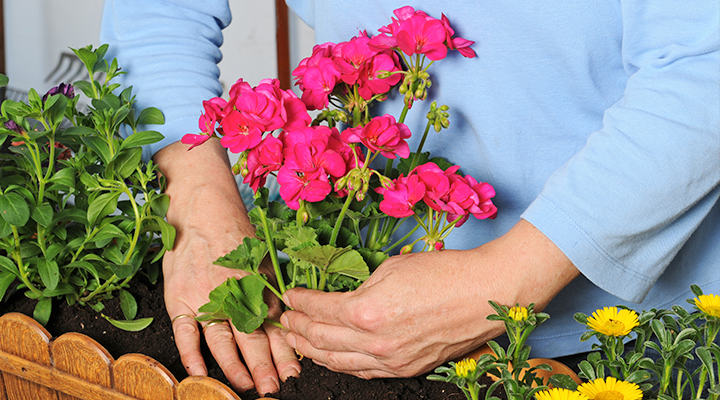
(265, 158)
(381, 134)
(294, 186)
(398, 201)
(419, 35)
(194, 140)
(240, 132)
(458, 43)
(319, 81)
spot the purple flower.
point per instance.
(13, 126)
(66, 90)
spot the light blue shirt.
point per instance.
(598, 122)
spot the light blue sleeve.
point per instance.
(169, 51)
(623, 206)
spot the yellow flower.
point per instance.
(559, 394)
(613, 322)
(610, 389)
(518, 313)
(465, 367)
(709, 304)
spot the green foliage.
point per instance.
(82, 214)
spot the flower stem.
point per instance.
(272, 251)
(341, 216)
(19, 261)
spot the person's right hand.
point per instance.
(210, 219)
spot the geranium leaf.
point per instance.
(373, 259)
(14, 209)
(246, 257)
(351, 264)
(245, 305)
(5, 228)
(294, 237)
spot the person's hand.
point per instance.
(210, 220)
(419, 310)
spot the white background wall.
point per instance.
(38, 31)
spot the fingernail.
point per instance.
(292, 370)
(196, 370)
(284, 320)
(245, 383)
(290, 338)
(268, 385)
(286, 300)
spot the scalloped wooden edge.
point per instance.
(34, 365)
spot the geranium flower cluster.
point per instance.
(274, 134)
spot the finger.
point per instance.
(187, 340)
(357, 364)
(255, 348)
(320, 306)
(221, 342)
(321, 336)
(284, 356)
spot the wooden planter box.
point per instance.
(33, 365)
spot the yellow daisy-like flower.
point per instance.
(610, 389)
(559, 394)
(518, 313)
(465, 367)
(709, 304)
(613, 322)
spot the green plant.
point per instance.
(81, 212)
(676, 335)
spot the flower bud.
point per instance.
(407, 249)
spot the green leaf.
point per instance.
(246, 257)
(61, 290)
(125, 162)
(151, 116)
(71, 214)
(351, 264)
(43, 214)
(8, 266)
(563, 381)
(87, 56)
(49, 273)
(101, 206)
(6, 279)
(43, 309)
(128, 305)
(245, 305)
(80, 131)
(331, 259)
(4, 80)
(99, 146)
(109, 232)
(14, 209)
(65, 177)
(141, 139)
(5, 228)
(86, 88)
(160, 205)
(373, 259)
(56, 112)
(130, 326)
(121, 270)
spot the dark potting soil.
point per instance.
(156, 341)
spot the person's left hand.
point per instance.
(419, 310)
